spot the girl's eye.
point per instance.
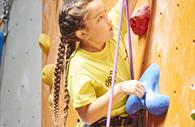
(100, 18)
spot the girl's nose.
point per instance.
(109, 21)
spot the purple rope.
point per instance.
(133, 116)
(115, 67)
(129, 44)
(116, 57)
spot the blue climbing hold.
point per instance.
(152, 101)
(134, 104)
(150, 78)
(156, 103)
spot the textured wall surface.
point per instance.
(20, 95)
(50, 9)
(169, 42)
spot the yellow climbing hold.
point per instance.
(50, 101)
(44, 43)
(48, 74)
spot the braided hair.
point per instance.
(71, 19)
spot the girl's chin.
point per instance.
(111, 35)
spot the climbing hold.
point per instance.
(134, 104)
(152, 101)
(48, 74)
(44, 43)
(140, 19)
(152, 76)
(50, 101)
(193, 114)
(156, 103)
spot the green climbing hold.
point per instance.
(193, 114)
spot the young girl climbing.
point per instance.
(86, 52)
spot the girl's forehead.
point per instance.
(94, 8)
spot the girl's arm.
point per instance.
(109, 4)
(131, 5)
(97, 109)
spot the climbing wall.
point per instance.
(20, 89)
(169, 42)
(50, 9)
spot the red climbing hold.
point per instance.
(139, 20)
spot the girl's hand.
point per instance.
(133, 87)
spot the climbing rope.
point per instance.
(4, 21)
(116, 56)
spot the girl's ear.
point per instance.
(82, 34)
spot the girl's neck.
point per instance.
(92, 47)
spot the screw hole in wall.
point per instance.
(192, 86)
(176, 49)
(174, 92)
(159, 56)
(13, 58)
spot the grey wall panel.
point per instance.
(20, 100)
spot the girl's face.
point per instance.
(98, 24)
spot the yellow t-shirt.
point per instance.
(90, 73)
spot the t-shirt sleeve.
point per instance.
(114, 15)
(81, 90)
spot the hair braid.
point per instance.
(57, 77)
(64, 52)
(71, 19)
(69, 50)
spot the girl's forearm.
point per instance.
(131, 5)
(99, 107)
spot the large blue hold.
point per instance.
(152, 101)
